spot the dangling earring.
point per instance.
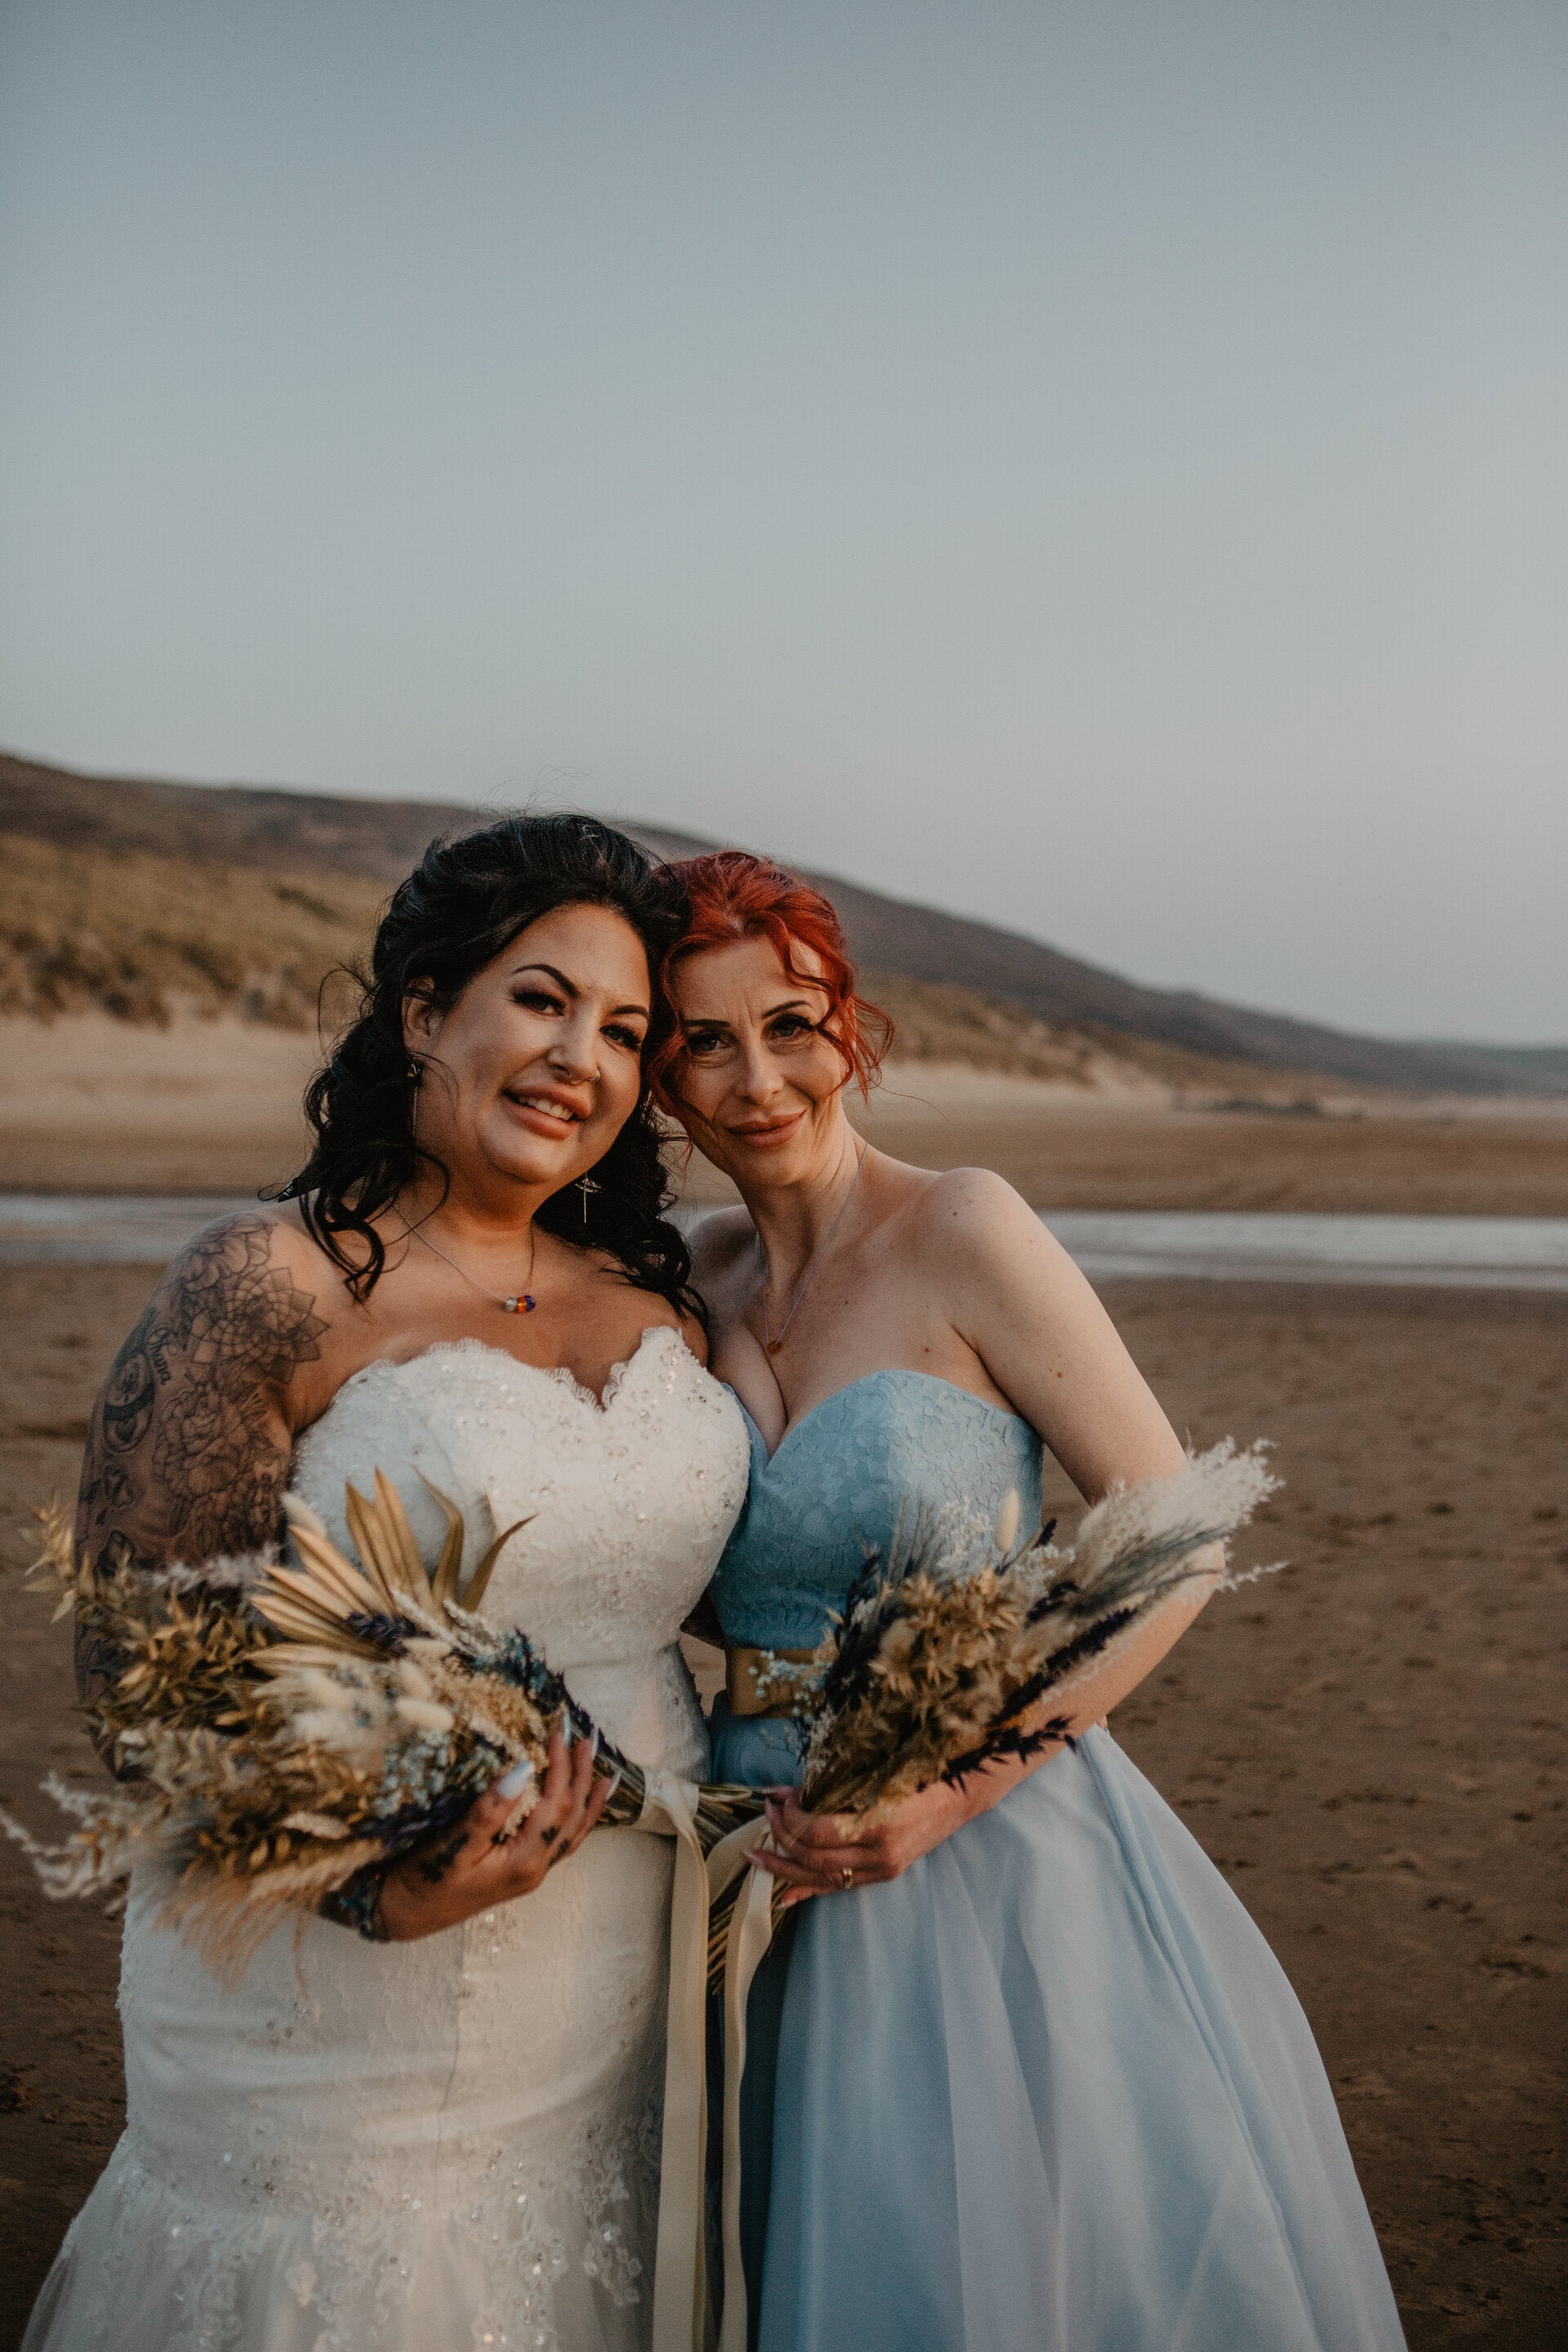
(585, 1185)
(412, 1072)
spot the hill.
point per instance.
(97, 906)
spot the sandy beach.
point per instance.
(92, 1105)
(1369, 1745)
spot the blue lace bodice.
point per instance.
(894, 1442)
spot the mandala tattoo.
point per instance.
(186, 1454)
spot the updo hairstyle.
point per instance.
(730, 895)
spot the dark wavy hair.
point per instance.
(462, 906)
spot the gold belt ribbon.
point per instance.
(746, 1679)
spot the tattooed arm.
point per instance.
(189, 1443)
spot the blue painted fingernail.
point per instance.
(516, 1781)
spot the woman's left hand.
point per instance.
(832, 1853)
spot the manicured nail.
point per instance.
(515, 1781)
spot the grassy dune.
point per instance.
(144, 938)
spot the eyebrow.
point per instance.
(572, 989)
(716, 1020)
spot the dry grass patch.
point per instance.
(142, 938)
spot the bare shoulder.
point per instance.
(618, 1311)
(719, 1241)
(980, 1244)
(188, 1443)
(695, 1337)
(973, 1210)
(248, 1288)
(259, 1270)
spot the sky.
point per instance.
(1099, 467)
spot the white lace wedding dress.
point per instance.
(412, 2148)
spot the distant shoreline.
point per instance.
(88, 1104)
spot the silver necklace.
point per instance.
(769, 1342)
(522, 1304)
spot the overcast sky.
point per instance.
(1098, 467)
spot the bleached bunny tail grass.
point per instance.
(239, 1572)
(115, 1830)
(1134, 1528)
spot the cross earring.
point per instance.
(585, 1185)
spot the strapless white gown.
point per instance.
(453, 2143)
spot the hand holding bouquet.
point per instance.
(290, 1728)
(957, 1650)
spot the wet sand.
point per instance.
(1370, 1746)
(1067, 1150)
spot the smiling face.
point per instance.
(533, 1071)
(759, 1085)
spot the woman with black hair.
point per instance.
(431, 2119)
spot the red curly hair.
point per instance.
(730, 895)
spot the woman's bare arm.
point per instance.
(1021, 1305)
(189, 1442)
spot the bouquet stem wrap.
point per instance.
(683, 2295)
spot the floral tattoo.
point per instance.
(186, 1454)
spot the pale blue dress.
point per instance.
(1050, 2091)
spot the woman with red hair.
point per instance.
(1027, 2078)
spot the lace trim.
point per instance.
(534, 2258)
(559, 1375)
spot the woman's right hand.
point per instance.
(478, 1866)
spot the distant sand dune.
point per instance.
(114, 891)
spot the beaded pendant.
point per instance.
(523, 1305)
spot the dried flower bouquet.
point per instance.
(956, 1649)
(288, 1725)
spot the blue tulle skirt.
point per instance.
(1048, 2091)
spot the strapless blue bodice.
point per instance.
(895, 1445)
